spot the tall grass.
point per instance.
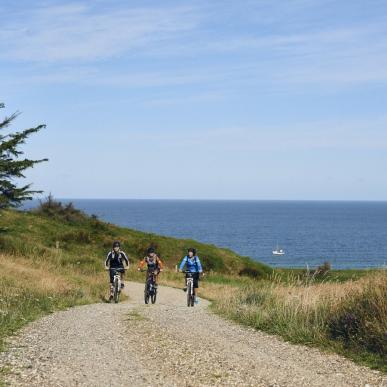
(349, 317)
(30, 289)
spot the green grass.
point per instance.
(38, 278)
(84, 241)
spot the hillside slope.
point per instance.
(84, 241)
(53, 259)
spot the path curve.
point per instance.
(167, 344)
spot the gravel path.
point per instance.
(168, 344)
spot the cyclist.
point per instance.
(153, 262)
(116, 259)
(193, 265)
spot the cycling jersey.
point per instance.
(152, 265)
(193, 264)
(115, 260)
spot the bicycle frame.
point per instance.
(190, 288)
(150, 291)
(116, 283)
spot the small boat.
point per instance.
(278, 251)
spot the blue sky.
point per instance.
(195, 99)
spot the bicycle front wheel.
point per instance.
(116, 292)
(189, 291)
(146, 294)
(154, 296)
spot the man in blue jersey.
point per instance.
(192, 263)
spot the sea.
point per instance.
(349, 235)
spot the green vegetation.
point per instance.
(12, 165)
(52, 258)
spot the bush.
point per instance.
(55, 209)
(360, 320)
(251, 272)
(322, 270)
(76, 236)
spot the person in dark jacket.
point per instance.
(116, 259)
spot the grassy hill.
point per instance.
(52, 258)
(83, 241)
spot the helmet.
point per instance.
(150, 250)
(193, 250)
(116, 244)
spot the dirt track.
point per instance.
(131, 344)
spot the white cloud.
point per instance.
(79, 32)
(69, 43)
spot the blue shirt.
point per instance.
(193, 264)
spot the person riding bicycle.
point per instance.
(116, 259)
(153, 262)
(192, 263)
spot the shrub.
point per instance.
(322, 270)
(360, 320)
(80, 236)
(55, 209)
(251, 272)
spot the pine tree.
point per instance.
(12, 165)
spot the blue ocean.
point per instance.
(347, 234)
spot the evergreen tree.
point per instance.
(13, 165)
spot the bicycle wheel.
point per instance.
(193, 297)
(146, 294)
(154, 295)
(116, 292)
(189, 290)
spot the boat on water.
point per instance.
(278, 251)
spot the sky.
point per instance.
(200, 99)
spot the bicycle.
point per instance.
(190, 288)
(150, 291)
(116, 283)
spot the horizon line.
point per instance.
(223, 199)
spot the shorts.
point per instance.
(111, 272)
(195, 277)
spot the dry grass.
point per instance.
(350, 317)
(31, 288)
(42, 280)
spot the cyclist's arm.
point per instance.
(200, 268)
(125, 259)
(182, 264)
(141, 264)
(107, 261)
(160, 263)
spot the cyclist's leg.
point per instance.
(111, 278)
(196, 285)
(156, 277)
(122, 279)
(185, 283)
